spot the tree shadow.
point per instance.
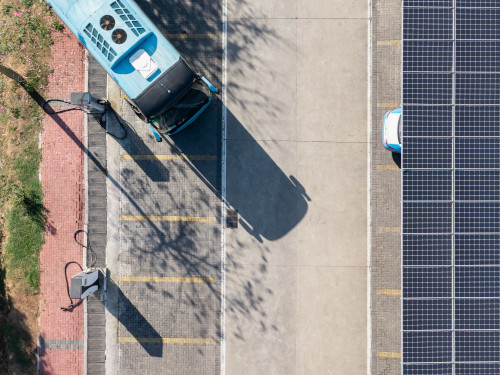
(15, 337)
(269, 202)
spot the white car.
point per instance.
(391, 130)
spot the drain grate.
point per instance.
(231, 219)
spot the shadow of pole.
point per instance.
(132, 319)
(24, 84)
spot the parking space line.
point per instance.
(389, 292)
(388, 105)
(167, 279)
(389, 229)
(192, 36)
(198, 219)
(167, 340)
(388, 43)
(388, 167)
(388, 355)
(169, 157)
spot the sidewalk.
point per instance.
(62, 173)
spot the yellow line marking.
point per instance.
(169, 157)
(388, 167)
(158, 279)
(388, 355)
(384, 43)
(191, 36)
(198, 219)
(388, 229)
(167, 340)
(388, 105)
(389, 292)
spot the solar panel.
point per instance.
(425, 217)
(428, 121)
(427, 185)
(474, 314)
(427, 88)
(433, 153)
(427, 56)
(477, 249)
(428, 369)
(450, 187)
(477, 88)
(427, 23)
(427, 250)
(480, 346)
(477, 368)
(476, 121)
(427, 314)
(427, 346)
(477, 56)
(474, 185)
(477, 153)
(477, 23)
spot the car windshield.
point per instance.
(184, 108)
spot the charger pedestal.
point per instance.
(83, 284)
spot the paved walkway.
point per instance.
(385, 193)
(62, 174)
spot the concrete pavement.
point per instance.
(295, 291)
(296, 298)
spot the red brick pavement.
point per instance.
(62, 173)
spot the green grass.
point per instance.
(25, 40)
(26, 221)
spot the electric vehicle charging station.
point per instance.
(87, 102)
(84, 284)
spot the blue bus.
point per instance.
(163, 89)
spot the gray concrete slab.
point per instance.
(333, 233)
(260, 318)
(331, 320)
(332, 79)
(267, 106)
(240, 10)
(318, 9)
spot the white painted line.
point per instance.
(86, 214)
(223, 192)
(368, 199)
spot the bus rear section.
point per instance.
(163, 89)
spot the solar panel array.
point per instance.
(451, 187)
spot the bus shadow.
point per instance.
(269, 202)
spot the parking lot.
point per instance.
(290, 145)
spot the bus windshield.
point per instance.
(184, 108)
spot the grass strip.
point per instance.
(25, 42)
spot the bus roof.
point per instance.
(136, 31)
